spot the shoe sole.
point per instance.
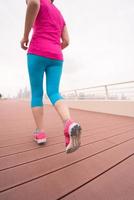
(75, 138)
(40, 141)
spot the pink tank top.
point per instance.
(47, 30)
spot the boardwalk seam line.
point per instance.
(102, 173)
(122, 133)
(65, 167)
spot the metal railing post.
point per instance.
(76, 94)
(106, 92)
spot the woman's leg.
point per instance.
(36, 74)
(72, 130)
(38, 117)
(63, 110)
(53, 76)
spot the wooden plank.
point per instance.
(65, 180)
(52, 176)
(117, 184)
(49, 150)
(9, 150)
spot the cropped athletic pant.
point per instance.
(37, 65)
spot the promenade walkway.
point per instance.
(102, 168)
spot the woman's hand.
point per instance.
(24, 43)
(65, 38)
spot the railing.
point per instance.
(116, 91)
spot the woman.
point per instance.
(49, 37)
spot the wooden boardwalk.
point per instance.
(102, 168)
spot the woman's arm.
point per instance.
(31, 14)
(65, 38)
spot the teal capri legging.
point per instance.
(37, 65)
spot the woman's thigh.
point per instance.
(35, 70)
(53, 76)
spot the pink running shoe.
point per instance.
(72, 132)
(39, 137)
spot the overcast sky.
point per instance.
(101, 47)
